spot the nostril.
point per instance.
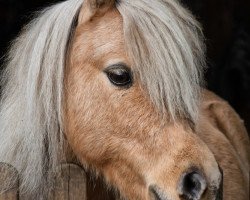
(192, 186)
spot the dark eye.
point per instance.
(119, 75)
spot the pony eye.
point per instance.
(119, 75)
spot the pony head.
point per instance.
(119, 82)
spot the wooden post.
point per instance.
(70, 183)
(8, 182)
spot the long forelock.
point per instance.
(165, 44)
(162, 39)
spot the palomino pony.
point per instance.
(116, 86)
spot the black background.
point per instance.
(226, 26)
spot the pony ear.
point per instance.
(92, 8)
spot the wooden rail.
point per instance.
(70, 183)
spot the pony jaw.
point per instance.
(128, 164)
(138, 175)
(41, 66)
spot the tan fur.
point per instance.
(136, 137)
(93, 8)
(119, 132)
(224, 133)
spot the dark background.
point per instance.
(226, 26)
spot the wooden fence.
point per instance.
(71, 183)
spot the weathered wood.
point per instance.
(8, 182)
(70, 183)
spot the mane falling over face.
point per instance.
(119, 127)
(121, 86)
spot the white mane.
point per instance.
(162, 39)
(165, 43)
(31, 104)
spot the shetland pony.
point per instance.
(116, 86)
